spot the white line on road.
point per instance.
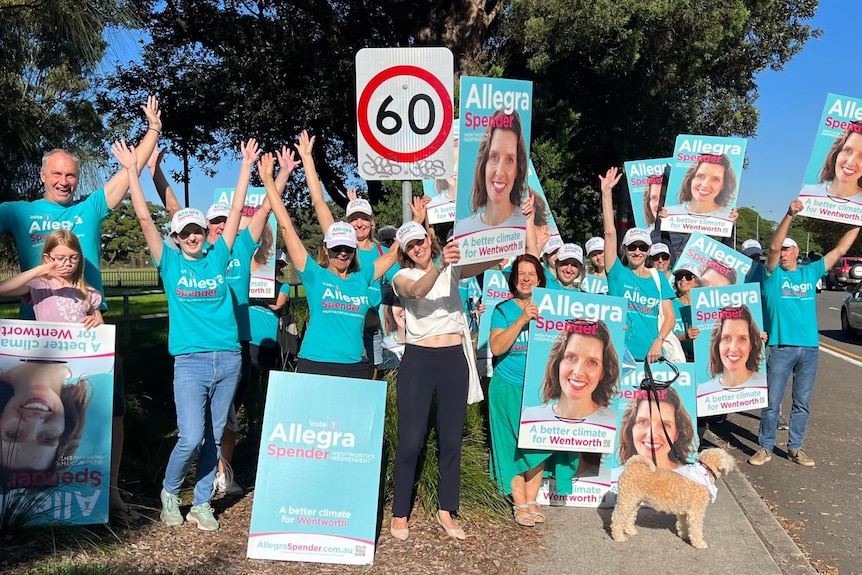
(841, 356)
(834, 308)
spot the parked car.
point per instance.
(851, 312)
(839, 277)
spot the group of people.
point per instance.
(198, 266)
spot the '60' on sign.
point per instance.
(404, 113)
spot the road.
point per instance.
(820, 507)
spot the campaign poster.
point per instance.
(263, 260)
(645, 178)
(494, 150)
(442, 192)
(594, 284)
(832, 188)
(495, 290)
(703, 187)
(640, 420)
(729, 353)
(574, 363)
(56, 409)
(543, 217)
(318, 470)
(719, 265)
(590, 490)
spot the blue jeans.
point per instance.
(204, 385)
(783, 361)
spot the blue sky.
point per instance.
(790, 105)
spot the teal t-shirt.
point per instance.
(336, 308)
(239, 280)
(29, 223)
(263, 326)
(790, 305)
(200, 308)
(511, 366)
(594, 284)
(683, 322)
(644, 299)
(366, 261)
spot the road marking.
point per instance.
(834, 309)
(851, 358)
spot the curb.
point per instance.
(787, 556)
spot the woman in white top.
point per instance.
(437, 361)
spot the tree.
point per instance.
(121, 233)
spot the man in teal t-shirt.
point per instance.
(789, 294)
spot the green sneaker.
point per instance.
(171, 515)
(203, 515)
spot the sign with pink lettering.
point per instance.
(318, 470)
(832, 188)
(56, 408)
(703, 188)
(716, 263)
(729, 353)
(645, 178)
(574, 359)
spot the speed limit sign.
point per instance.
(404, 113)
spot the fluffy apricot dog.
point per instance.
(669, 491)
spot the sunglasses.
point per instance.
(685, 276)
(342, 250)
(189, 230)
(663, 257)
(638, 247)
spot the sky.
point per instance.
(790, 104)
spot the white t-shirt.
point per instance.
(440, 312)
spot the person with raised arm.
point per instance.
(644, 289)
(206, 369)
(789, 290)
(337, 271)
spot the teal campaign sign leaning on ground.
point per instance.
(318, 470)
(63, 375)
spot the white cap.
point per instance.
(595, 244)
(340, 234)
(690, 268)
(359, 206)
(752, 248)
(637, 235)
(408, 232)
(218, 211)
(570, 252)
(552, 245)
(789, 243)
(186, 217)
(659, 248)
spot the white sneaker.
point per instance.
(225, 485)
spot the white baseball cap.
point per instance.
(570, 252)
(552, 245)
(752, 248)
(659, 248)
(340, 234)
(219, 210)
(595, 244)
(186, 217)
(359, 206)
(789, 243)
(408, 232)
(690, 268)
(637, 235)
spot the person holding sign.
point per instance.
(644, 289)
(686, 278)
(735, 353)
(500, 179)
(642, 430)
(707, 189)
(789, 289)
(438, 360)
(840, 178)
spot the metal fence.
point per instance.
(147, 277)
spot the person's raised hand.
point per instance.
(734, 214)
(351, 194)
(155, 159)
(610, 179)
(265, 166)
(527, 205)
(662, 213)
(250, 152)
(419, 208)
(542, 236)
(451, 255)
(286, 159)
(795, 207)
(153, 114)
(305, 144)
(125, 155)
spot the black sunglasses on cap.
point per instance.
(638, 246)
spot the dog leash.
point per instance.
(652, 387)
